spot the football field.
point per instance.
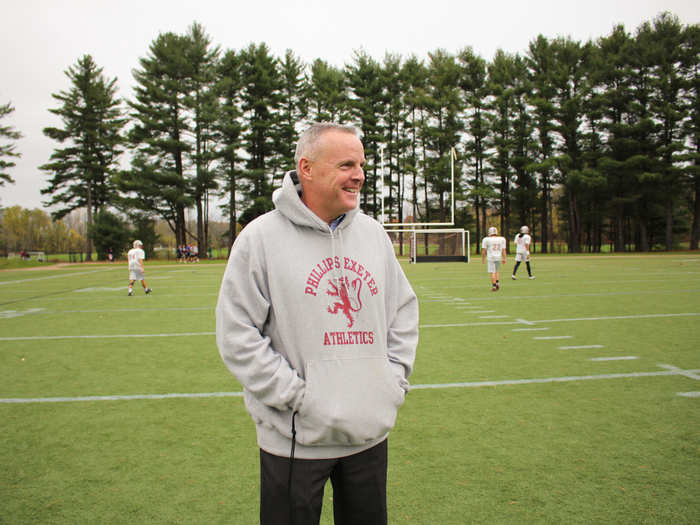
(570, 398)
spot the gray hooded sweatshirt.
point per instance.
(319, 322)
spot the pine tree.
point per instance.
(7, 150)
(260, 99)
(202, 102)
(473, 82)
(82, 171)
(366, 105)
(691, 127)
(502, 80)
(540, 63)
(157, 181)
(571, 90)
(292, 112)
(444, 105)
(666, 46)
(229, 131)
(414, 76)
(524, 194)
(326, 95)
(395, 145)
(613, 89)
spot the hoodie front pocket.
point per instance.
(348, 401)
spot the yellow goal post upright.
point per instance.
(428, 241)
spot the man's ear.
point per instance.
(304, 169)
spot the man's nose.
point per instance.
(358, 174)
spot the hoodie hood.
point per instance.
(287, 200)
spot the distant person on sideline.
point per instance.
(135, 256)
(493, 251)
(522, 251)
(318, 322)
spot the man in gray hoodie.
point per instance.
(318, 322)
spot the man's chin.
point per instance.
(350, 202)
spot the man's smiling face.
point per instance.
(333, 175)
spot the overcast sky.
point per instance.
(40, 39)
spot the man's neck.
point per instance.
(335, 222)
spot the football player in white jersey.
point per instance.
(493, 250)
(135, 256)
(522, 251)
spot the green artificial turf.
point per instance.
(554, 400)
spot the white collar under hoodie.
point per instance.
(318, 322)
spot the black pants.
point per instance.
(359, 488)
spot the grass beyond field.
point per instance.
(571, 398)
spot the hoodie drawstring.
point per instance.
(291, 465)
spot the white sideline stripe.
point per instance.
(528, 329)
(615, 317)
(579, 347)
(591, 294)
(476, 384)
(7, 314)
(103, 310)
(548, 337)
(101, 289)
(621, 358)
(566, 320)
(59, 276)
(689, 394)
(109, 336)
(552, 379)
(687, 373)
(118, 398)
(448, 325)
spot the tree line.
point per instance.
(592, 143)
(22, 229)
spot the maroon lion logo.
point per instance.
(346, 303)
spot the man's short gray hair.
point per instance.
(309, 137)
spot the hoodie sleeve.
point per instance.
(402, 320)
(241, 314)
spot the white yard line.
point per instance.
(564, 320)
(551, 337)
(118, 398)
(594, 294)
(476, 384)
(687, 373)
(423, 326)
(139, 295)
(58, 276)
(103, 336)
(43, 311)
(529, 329)
(621, 358)
(7, 314)
(579, 347)
(616, 317)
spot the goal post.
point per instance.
(431, 245)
